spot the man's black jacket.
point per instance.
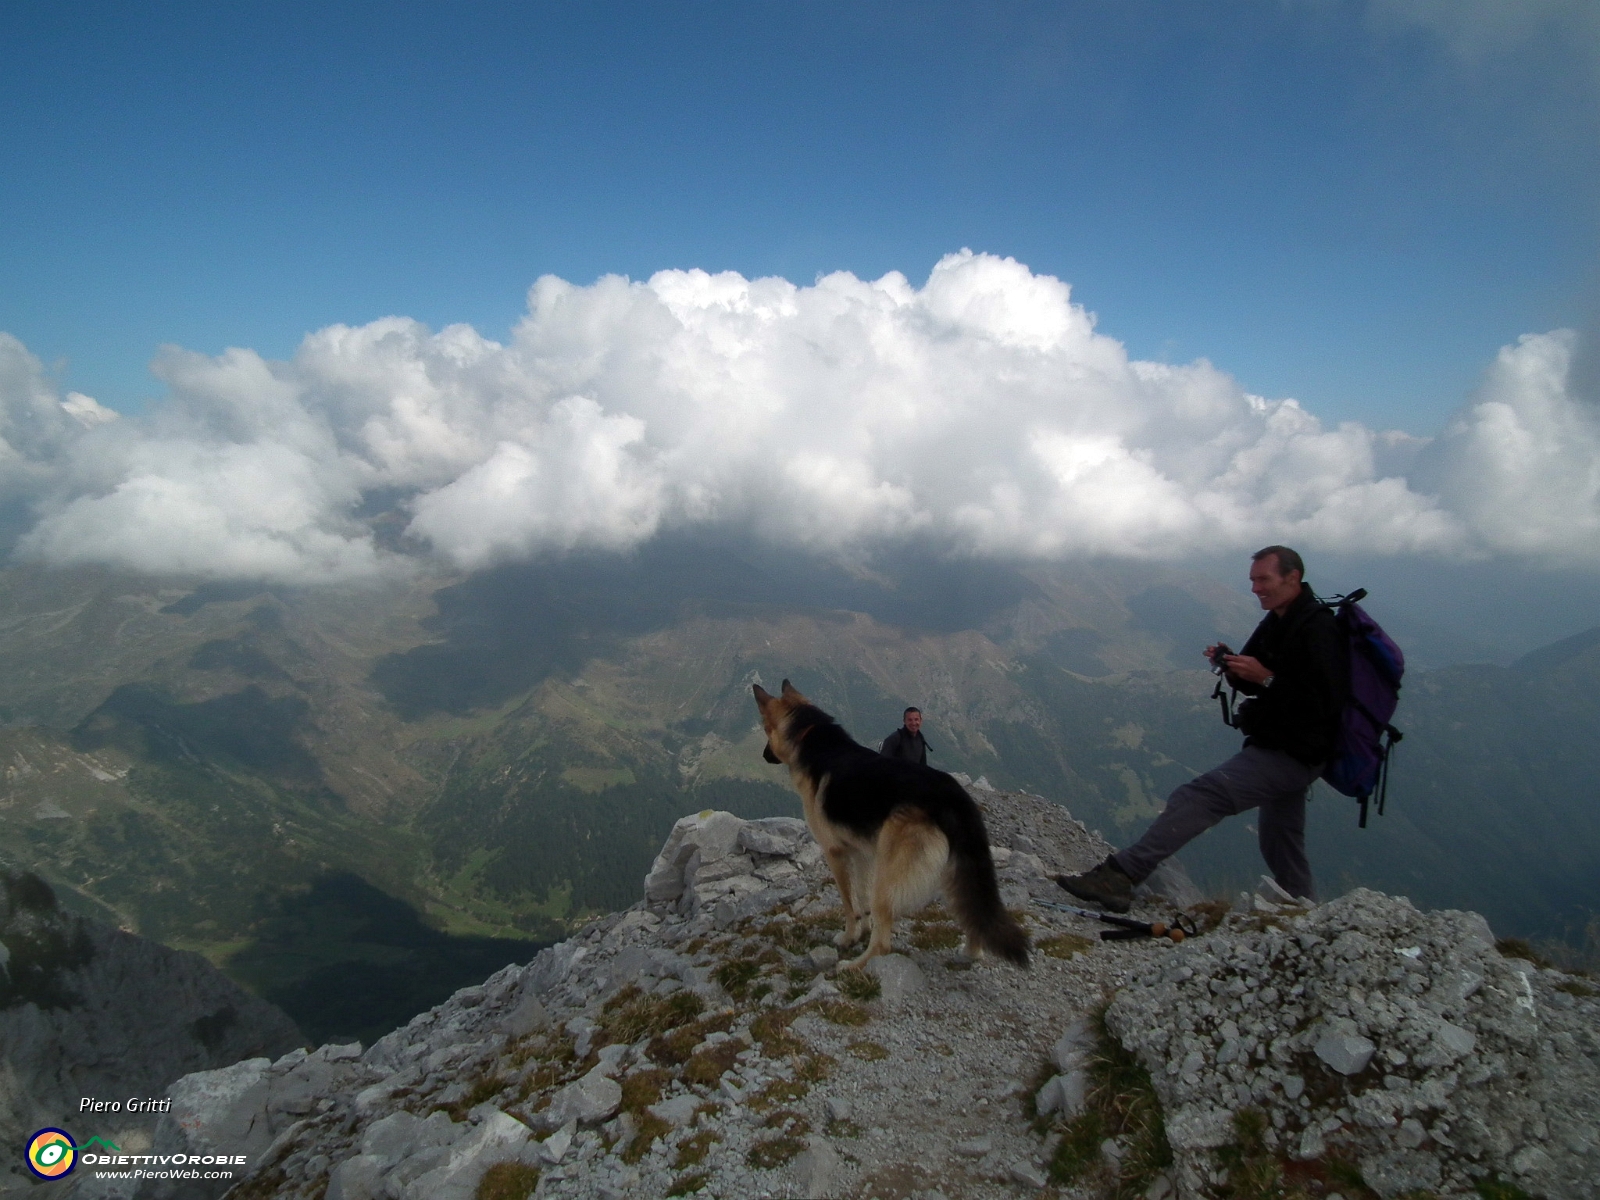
(903, 744)
(1309, 659)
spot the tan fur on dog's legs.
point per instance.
(882, 921)
(839, 862)
(910, 858)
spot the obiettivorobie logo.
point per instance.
(52, 1153)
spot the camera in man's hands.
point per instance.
(1219, 656)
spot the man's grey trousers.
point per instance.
(1270, 780)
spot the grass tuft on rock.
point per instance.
(1254, 1171)
(772, 1034)
(1346, 1178)
(555, 1062)
(1064, 945)
(508, 1181)
(1492, 1187)
(773, 1152)
(859, 986)
(1079, 1149)
(1518, 948)
(647, 1128)
(737, 975)
(631, 1015)
(546, 1047)
(1208, 914)
(693, 1149)
(788, 1121)
(935, 935)
(685, 1185)
(1119, 1103)
(642, 1089)
(485, 1088)
(870, 1051)
(813, 1068)
(674, 1047)
(707, 1066)
(802, 933)
(779, 1091)
(841, 1012)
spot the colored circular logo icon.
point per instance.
(52, 1153)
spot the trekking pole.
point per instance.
(1098, 915)
(1127, 927)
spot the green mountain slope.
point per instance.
(384, 781)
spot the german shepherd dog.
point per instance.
(893, 830)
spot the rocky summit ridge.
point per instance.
(704, 1042)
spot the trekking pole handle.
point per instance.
(1127, 926)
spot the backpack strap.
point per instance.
(1390, 737)
(1226, 701)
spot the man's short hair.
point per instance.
(909, 711)
(1288, 560)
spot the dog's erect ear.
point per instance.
(766, 753)
(789, 690)
(763, 697)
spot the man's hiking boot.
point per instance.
(1107, 885)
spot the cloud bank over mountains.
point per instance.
(980, 414)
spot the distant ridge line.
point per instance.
(1549, 657)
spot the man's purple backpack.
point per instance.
(1365, 745)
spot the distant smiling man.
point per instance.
(1294, 669)
(907, 742)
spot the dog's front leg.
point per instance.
(839, 862)
(882, 921)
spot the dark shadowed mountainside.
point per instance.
(87, 1010)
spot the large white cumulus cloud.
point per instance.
(981, 413)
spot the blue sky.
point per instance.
(1354, 204)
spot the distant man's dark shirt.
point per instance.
(1299, 713)
(912, 747)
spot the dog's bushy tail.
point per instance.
(973, 890)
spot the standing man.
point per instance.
(907, 742)
(1296, 672)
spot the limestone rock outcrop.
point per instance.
(1397, 1040)
(718, 863)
